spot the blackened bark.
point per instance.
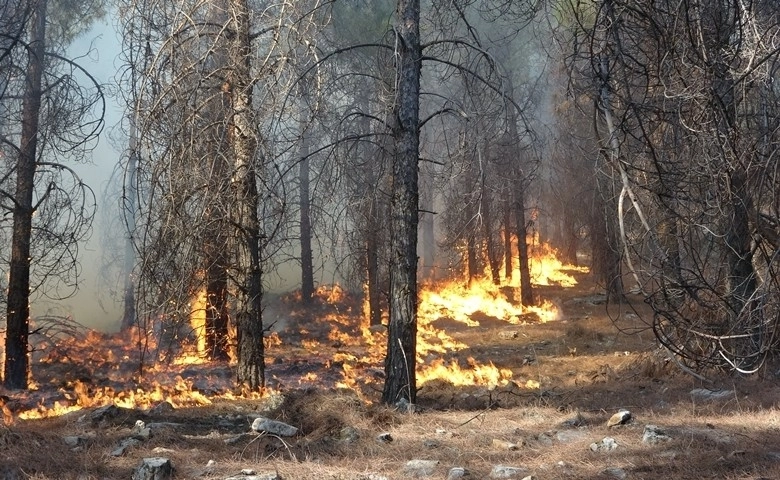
(372, 260)
(374, 211)
(250, 371)
(521, 230)
(16, 367)
(129, 199)
(571, 244)
(607, 238)
(518, 199)
(307, 263)
(472, 262)
(508, 241)
(400, 376)
(487, 230)
(605, 243)
(217, 334)
(742, 277)
(427, 233)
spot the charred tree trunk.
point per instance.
(742, 276)
(526, 290)
(374, 276)
(571, 241)
(605, 245)
(373, 247)
(16, 368)
(250, 371)
(427, 220)
(487, 230)
(216, 328)
(607, 230)
(518, 199)
(307, 264)
(400, 375)
(129, 203)
(472, 262)
(374, 211)
(508, 241)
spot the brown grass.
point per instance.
(587, 370)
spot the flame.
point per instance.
(198, 321)
(546, 269)
(331, 294)
(334, 345)
(477, 374)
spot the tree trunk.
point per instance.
(16, 367)
(129, 203)
(374, 210)
(372, 259)
(400, 376)
(472, 262)
(427, 220)
(608, 231)
(605, 244)
(526, 290)
(307, 263)
(518, 199)
(487, 230)
(508, 241)
(572, 243)
(216, 328)
(250, 371)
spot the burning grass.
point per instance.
(328, 344)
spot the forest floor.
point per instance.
(569, 376)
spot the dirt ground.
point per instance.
(569, 376)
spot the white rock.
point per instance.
(618, 473)
(569, 436)
(457, 472)
(605, 445)
(706, 394)
(503, 471)
(421, 468)
(262, 476)
(154, 468)
(653, 434)
(274, 427)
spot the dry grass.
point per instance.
(585, 367)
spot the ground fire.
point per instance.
(327, 345)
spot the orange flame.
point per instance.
(336, 334)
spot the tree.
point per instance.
(304, 200)
(400, 364)
(406, 124)
(245, 243)
(212, 146)
(683, 103)
(50, 206)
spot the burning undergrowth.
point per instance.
(326, 343)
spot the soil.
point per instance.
(569, 377)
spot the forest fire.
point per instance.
(546, 269)
(328, 344)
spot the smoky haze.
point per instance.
(97, 302)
